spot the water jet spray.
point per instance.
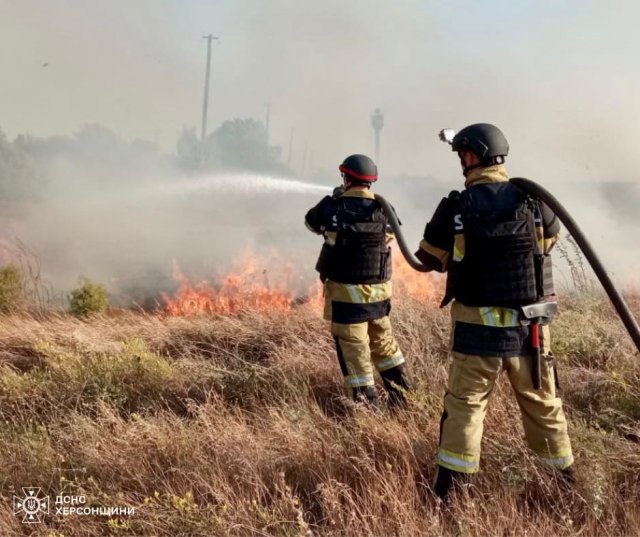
(245, 183)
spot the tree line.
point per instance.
(29, 163)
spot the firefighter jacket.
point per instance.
(493, 240)
(355, 260)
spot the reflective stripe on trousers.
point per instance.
(388, 363)
(471, 381)
(358, 381)
(361, 346)
(560, 461)
(458, 462)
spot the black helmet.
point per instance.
(359, 168)
(483, 139)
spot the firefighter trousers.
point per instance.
(360, 344)
(471, 381)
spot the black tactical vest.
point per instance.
(360, 254)
(502, 264)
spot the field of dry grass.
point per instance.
(237, 426)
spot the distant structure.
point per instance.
(267, 121)
(304, 161)
(290, 149)
(377, 122)
(205, 104)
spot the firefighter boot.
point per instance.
(367, 395)
(447, 481)
(396, 382)
(568, 475)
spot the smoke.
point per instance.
(128, 236)
(559, 81)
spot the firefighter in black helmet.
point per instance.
(494, 240)
(355, 267)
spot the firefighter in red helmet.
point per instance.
(355, 267)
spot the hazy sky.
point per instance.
(560, 78)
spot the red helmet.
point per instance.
(359, 168)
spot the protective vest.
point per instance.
(502, 264)
(360, 253)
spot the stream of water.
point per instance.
(245, 183)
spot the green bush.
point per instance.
(88, 299)
(11, 289)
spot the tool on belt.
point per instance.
(537, 315)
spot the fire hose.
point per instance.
(539, 192)
(413, 261)
(618, 302)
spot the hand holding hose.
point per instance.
(338, 191)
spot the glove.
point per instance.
(338, 191)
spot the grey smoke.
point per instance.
(567, 105)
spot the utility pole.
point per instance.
(205, 104)
(304, 161)
(266, 123)
(290, 149)
(377, 122)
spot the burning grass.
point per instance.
(247, 285)
(250, 285)
(236, 426)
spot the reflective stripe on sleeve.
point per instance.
(457, 253)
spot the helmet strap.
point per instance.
(467, 169)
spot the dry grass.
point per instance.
(237, 426)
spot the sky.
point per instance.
(559, 78)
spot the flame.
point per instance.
(407, 282)
(249, 286)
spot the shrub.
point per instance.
(89, 298)
(11, 289)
